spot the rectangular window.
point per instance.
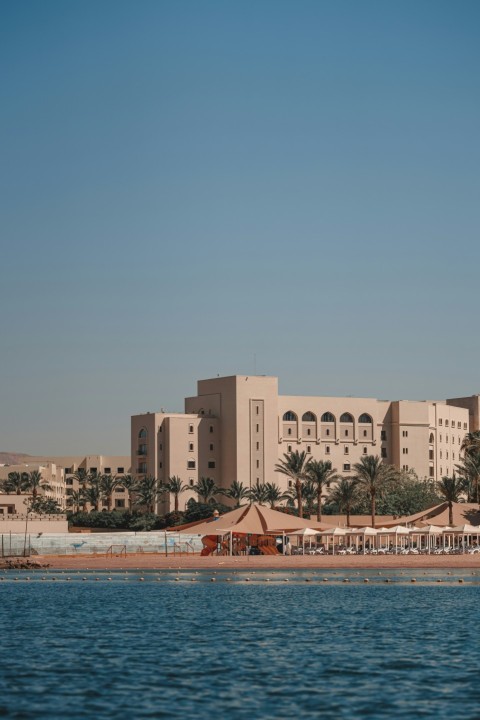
(384, 452)
(430, 454)
(69, 481)
(258, 464)
(440, 421)
(346, 433)
(120, 470)
(459, 425)
(364, 433)
(327, 450)
(345, 450)
(364, 450)
(431, 472)
(108, 471)
(290, 483)
(190, 428)
(327, 431)
(68, 470)
(309, 448)
(211, 464)
(383, 435)
(257, 409)
(446, 423)
(289, 448)
(211, 447)
(309, 431)
(464, 426)
(346, 467)
(190, 447)
(258, 446)
(211, 428)
(191, 482)
(160, 465)
(441, 455)
(93, 470)
(120, 503)
(191, 464)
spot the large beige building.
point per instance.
(238, 427)
(68, 465)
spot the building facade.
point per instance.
(238, 427)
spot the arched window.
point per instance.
(364, 418)
(142, 433)
(308, 417)
(346, 417)
(431, 439)
(327, 417)
(289, 416)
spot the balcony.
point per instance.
(142, 451)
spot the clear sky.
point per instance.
(187, 186)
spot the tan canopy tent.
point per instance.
(249, 520)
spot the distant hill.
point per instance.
(10, 458)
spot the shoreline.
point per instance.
(153, 561)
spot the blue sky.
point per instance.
(187, 185)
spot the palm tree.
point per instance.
(469, 470)
(309, 495)
(321, 473)
(274, 495)
(450, 489)
(175, 487)
(345, 495)
(374, 477)
(108, 483)
(35, 482)
(237, 491)
(147, 492)
(294, 466)
(93, 491)
(16, 482)
(130, 483)
(258, 493)
(81, 476)
(206, 489)
(471, 443)
(75, 500)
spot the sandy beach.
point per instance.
(195, 562)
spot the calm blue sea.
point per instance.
(275, 646)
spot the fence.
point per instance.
(13, 544)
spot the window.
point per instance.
(441, 455)
(405, 467)
(327, 432)
(258, 464)
(108, 471)
(430, 454)
(405, 451)
(405, 433)
(365, 450)
(346, 467)
(431, 472)
(290, 483)
(119, 503)
(308, 417)
(440, 438)
(289, 448)
(191, 464)
(384, 452)
(142, 433)
(289, 432)
(211, 428)
(309, 448)
(459, 441)
(364, 418)
(364, 433)
(346, 433)
(258, 446)
(160, 465)
(464, 426)
(327, 450)
(69, 481)
(345, 450)
(453, 456)
(459, 425)
(190, 447)
(142, 468)
(93, 470)
(383, 435)
(289, 416)
(447, 455)
(446, 438)
(69, 491)
(309, 431)
(68, 470)
(119, 489)
(431, 439)
(446, 423)
(190, 428)
(346, 418)
(120, 470)
(191, 482)
(440, 421)
(327, 417)
(256, 409)
(211, 464)
(211, 447)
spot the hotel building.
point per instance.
(238, 427)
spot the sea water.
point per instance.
(181, 644)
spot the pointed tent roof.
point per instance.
(249, 519)
(438, 514)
